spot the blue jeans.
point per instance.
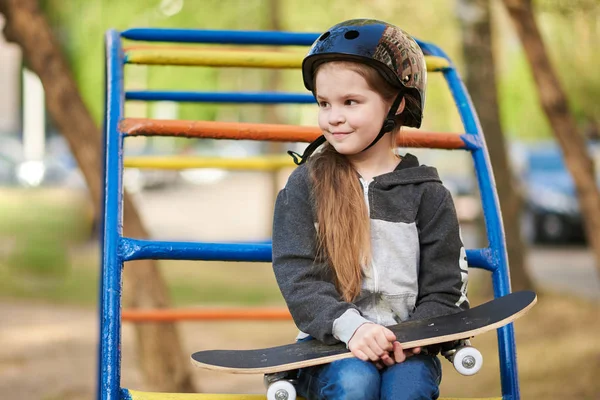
(418, 377)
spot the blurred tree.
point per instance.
(161, 356)
(555, 104)
(78, 24)
(569, 25)
(480, 72)
(566, 25)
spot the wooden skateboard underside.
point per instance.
(463, 325)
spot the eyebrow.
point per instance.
(346, 96)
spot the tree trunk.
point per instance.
(162, 360)
(271, 115)
(474, 16)
(555, 104)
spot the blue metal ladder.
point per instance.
(116, 249)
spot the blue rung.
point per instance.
(136, 249)
(270, 38)
(216, 97)
(220, 36)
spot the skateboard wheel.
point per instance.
(281, 390)
(468, 361)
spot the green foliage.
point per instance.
(40, 257)
(570, 30)
(37, 230)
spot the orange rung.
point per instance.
(205, 314)
(269, 132)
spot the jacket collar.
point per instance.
(408, 171)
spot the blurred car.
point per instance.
(551, 211)
(55, 169)
(8, 170)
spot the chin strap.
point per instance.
(388, 125)
(301, 159)
(390, 121)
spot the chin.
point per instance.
(345, 149)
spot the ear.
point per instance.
(401, 106)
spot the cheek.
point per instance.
(360, 119)
(322, 119)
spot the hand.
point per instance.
(372, 342)
(400, 355)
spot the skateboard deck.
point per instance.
(463, 325)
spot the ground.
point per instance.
(50, 345)
(49, 352)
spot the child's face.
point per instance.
(350, 112)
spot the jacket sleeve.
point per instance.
(443, 270)
(305, 284)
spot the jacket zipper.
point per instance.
(365, 186)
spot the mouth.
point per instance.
(340, 134)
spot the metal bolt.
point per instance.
(281, 394)
(468, 362)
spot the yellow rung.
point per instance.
(135, 395)
(234, 58)
(215, 58)
(267, 163)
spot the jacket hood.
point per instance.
(408, 171)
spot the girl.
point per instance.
(363, 238)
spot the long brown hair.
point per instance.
(343, 232)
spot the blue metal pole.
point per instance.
(220, 36)
(495, 229)
(110, 323)
(222, 97)
(274, 38)
(100, 230)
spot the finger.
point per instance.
(379, 365)
(371, 354)
(383, 343)
(389, 335)
(359, 353)
(412, 352)
(399, 355)
(364, 350)
(387, 360)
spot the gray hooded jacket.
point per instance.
(418, 267)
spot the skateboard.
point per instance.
(451, 330)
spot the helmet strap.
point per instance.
(390, 121)
(301, 159)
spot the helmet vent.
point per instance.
(325, 35)
(351, 34)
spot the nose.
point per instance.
(336, 116)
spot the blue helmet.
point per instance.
(385, 47)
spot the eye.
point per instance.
(350, 102)
(323, 104)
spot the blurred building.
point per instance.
(10, 82)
